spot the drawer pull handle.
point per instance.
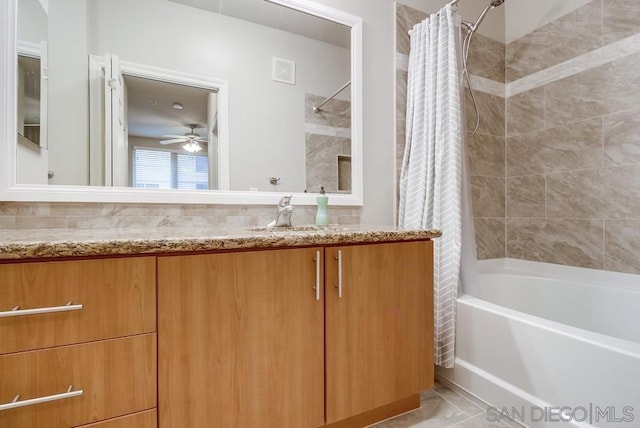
(317, 287)
(339, 286)
(16, 403)
(16, 312)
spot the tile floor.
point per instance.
(443, 408)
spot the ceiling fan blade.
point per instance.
(202, 139)
(177, 140)
(173, 136)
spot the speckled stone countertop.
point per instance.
(33, 244)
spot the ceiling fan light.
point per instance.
(192, 147)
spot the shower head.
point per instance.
(474, 26)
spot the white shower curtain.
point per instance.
(433, 168)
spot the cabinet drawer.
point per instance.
(118, 298)
(117, 377)
(147, 419)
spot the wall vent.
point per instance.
(283, 70)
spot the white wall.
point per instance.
(266, 117)
(45, 5)
(493, 26)
(68, 98)
(32, 163)
(32, 20)
(524, 16)
(379, 105)
(135, 141)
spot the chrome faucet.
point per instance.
(285, 209)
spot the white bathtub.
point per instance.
(536, 337)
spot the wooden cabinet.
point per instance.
(116, 376)
(246, 342)
(104, 344)
(336, 337)
(118, 298)
(146, 419)
(379, 326)
(241, 340)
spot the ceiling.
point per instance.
(150, 108)
(276, 16)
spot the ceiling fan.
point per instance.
(191, 139)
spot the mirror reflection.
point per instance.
(29, 98)
(163, 155)
(184, 94)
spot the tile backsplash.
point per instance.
(44, 215)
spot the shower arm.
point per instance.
(318, 108)
(493, 4)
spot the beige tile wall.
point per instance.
(568, 150)
(322, 168)
(406, 18)
(486, 150)
(564, 38)
(19, 215)
(573, 146)
(486, 157)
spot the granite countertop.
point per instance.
(31, 244)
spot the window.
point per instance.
(166, 169)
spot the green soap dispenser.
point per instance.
(322, 218)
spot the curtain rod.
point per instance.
(318, 108)
(452, 3)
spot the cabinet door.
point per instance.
(241, 340)
(379, 333)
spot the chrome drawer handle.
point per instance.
(317, 287)
(16, 312)
(16, 403)
(339, 286)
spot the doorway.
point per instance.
(157, 128)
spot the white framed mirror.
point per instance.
(217, 101)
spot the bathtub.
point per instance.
(551, 345)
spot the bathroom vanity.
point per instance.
(214, 328)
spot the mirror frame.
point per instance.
(10, 190)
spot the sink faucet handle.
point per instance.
(285, 201)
